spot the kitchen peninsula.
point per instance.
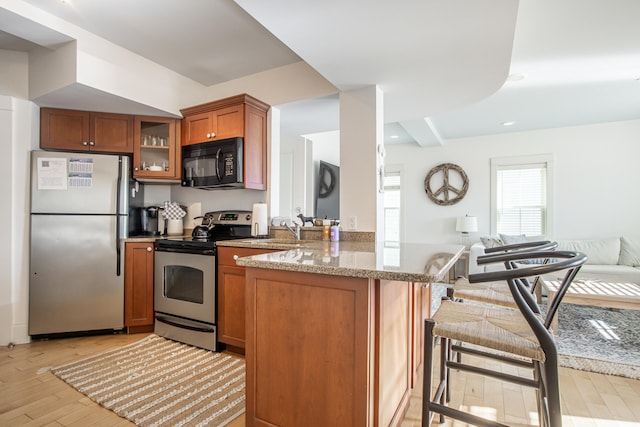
(335, 330)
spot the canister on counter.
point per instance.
(334, 233)
(326, 229)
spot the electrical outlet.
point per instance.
(353, 222)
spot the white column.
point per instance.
(361, 132)
(273, 162)
(19, 134)
(6, 184)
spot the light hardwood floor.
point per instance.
(31, 395)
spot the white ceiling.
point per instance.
(442, 66)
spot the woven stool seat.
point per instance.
(497, 293)
(491, 327)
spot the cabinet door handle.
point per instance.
(218, 164)
(85, 143)
(235, 257)
(91, 143)
(149, 248)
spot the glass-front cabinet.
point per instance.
(156, 152)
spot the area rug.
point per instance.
(593, 339)
(159, 382)
(600, 340)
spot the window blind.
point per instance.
(392, 207)
(522, 199)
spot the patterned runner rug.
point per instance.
(156, 382)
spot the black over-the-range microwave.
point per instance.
(213, 164)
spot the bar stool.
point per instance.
(519, 337)
(498, 292)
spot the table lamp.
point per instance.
(465, 225)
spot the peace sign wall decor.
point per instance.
(440, 177)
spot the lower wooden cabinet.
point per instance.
(231, 295)
(421, 310)
(138, 286)
(315, 339)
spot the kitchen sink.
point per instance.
(279, 242)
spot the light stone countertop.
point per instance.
(141, 239)
(410, 262)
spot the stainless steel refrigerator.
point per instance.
(82, 207)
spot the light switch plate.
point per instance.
(353, 222)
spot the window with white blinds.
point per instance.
(520, 197)
(392, 207)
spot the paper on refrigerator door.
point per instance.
(80, 172)
(52, 173)
(55, 174)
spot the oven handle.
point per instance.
(208, 252)
(177, 324)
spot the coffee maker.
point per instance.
(149, 220)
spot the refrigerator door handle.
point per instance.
(118, 196)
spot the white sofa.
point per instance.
(616, 258)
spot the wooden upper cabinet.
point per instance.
(226, 118)
(237, 116)
(75, 130)
(255, 149)
(229, 122)
(197, 128)
(156, 148)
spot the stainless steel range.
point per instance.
(185, 279)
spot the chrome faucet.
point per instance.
(296, 232)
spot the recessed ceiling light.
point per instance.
(508, 123)
(515, 77)
(394, 136)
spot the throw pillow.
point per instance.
(629, 252)
(513, 239)
(491, 241)
(520, 238)
(598, 251)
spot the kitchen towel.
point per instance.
(173, 210)
(174, 213)
(259, 222)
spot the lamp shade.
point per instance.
(467, 224)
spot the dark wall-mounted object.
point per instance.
(328, 191)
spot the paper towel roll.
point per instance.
(259, 223)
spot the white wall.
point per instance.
(278, 86)
(14, 79)
(596, 175)
(18, 135)
(296, 188)
(361, 132)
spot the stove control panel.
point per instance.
(228, 218)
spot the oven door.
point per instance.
(185, 285)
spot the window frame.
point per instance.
(395, 170)
(498, 163)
